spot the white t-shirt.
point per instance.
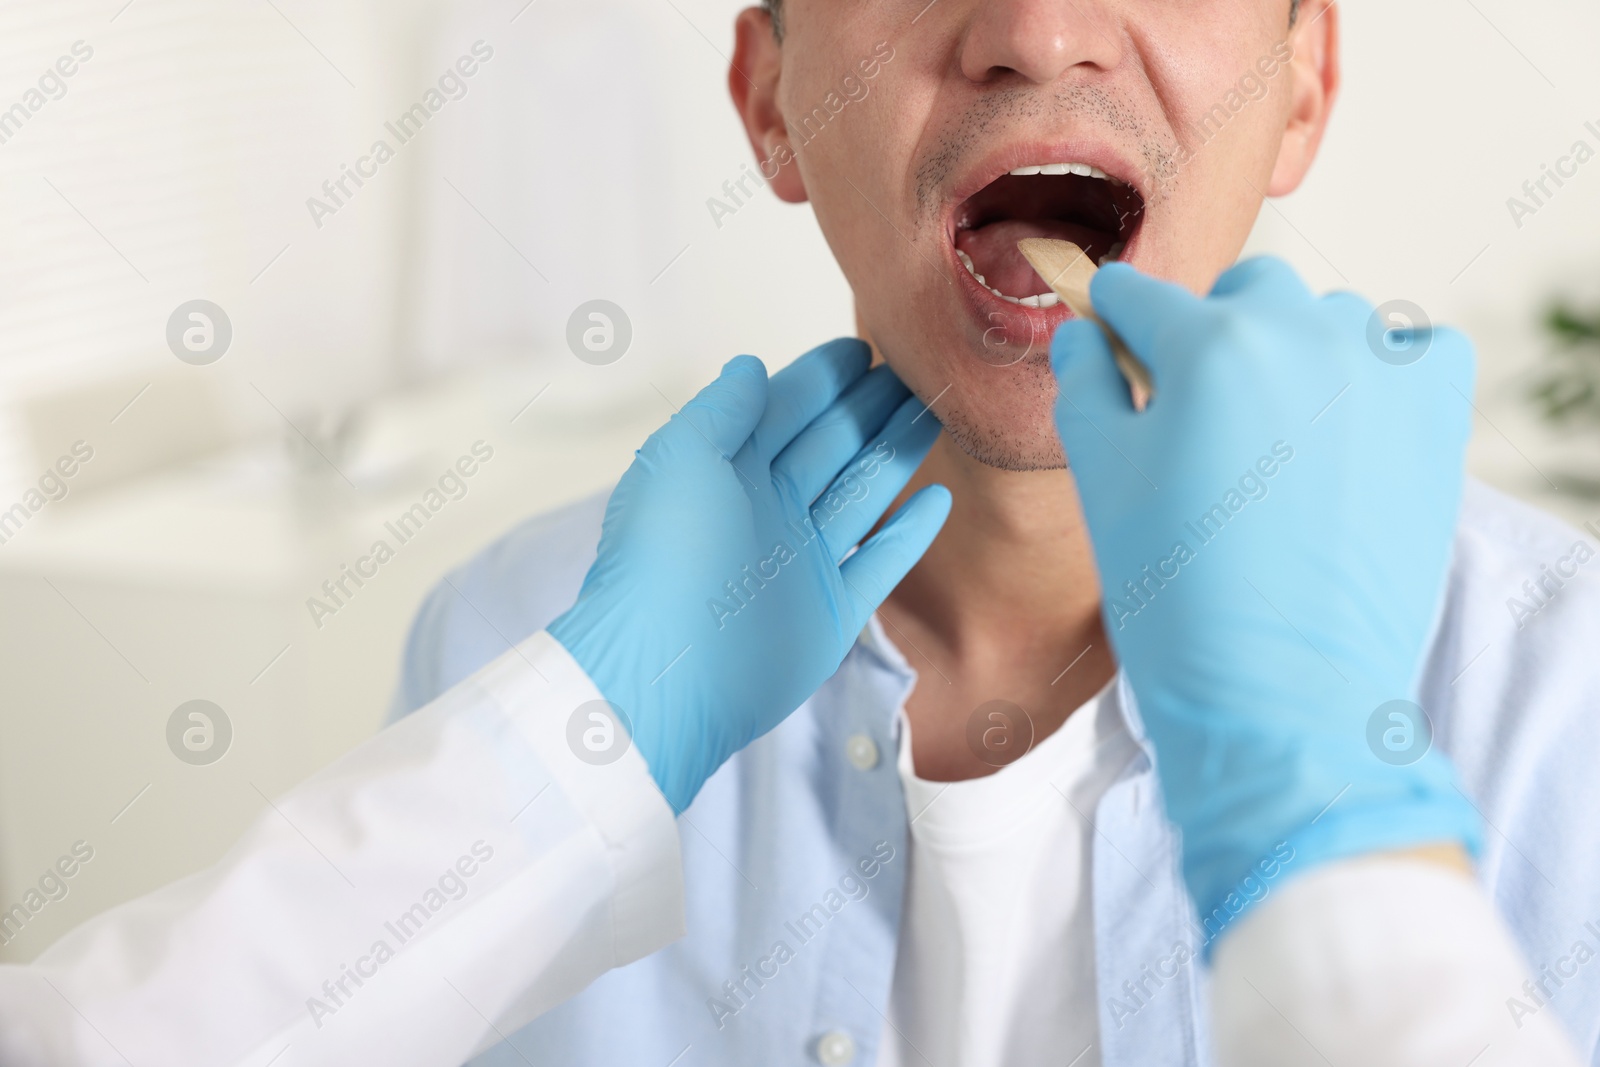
(996, 963)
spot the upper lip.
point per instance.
(1006, 158)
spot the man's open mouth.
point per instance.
(1075, 202)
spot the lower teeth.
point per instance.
(1043, 300)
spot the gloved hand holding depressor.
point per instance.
(1272, 536)
(718, 602)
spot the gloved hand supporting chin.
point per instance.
(721, 599)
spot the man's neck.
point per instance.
(1004, 606)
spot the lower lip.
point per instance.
(1011, 332)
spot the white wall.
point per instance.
(601, 131)
(180, 162)
(176, 166)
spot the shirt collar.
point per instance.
(875, 641)
(1130, 710)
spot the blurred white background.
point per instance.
(372, 350)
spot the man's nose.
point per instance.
(1039, 39)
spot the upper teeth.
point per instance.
(1063, 168)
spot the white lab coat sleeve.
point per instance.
(432, 890)
(1385, 962)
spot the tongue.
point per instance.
(993, 249)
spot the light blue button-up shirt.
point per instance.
(794, 854)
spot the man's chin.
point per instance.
(1005, 444)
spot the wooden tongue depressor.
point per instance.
(1068, 270)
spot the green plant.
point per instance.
(1568, 389)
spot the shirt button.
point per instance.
(862, 751)
(837, 1048)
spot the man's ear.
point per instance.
(1315, 73)
(753, 83)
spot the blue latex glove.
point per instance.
(1272, 535)
(718, 603)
